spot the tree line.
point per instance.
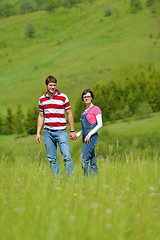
(18, 123)
(26, 6)
(131, 91)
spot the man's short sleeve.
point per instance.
(67, 104)
(40, 106)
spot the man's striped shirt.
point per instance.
(54, 110)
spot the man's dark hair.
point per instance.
(50, 79)
(87, 91)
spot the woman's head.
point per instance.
(87, 94)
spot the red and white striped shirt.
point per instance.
(54, 110)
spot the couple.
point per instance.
(52, 107)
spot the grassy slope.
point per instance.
(78, 45)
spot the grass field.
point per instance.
(122, 202)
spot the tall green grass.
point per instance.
(122, 202)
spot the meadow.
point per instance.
(122, 202)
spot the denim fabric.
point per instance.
(88, 153)
(88, 156)
(51, 139)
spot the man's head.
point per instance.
(51, 85)
(50, 79)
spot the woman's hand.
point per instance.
(87, 139)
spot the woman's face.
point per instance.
(87, 98)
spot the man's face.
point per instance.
(51, 88)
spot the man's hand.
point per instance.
(73, 136)
(38, 140)
(39, 126)
(87, 139)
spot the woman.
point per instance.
(91, 120)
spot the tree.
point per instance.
(31, 120)
(9, 127)
(19, 120)
(27, 6)
(1, 124)
(7, 9)
(79, 108)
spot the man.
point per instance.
(52, 107)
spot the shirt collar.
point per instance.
(57, 93)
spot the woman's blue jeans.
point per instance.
(88, 156)
(51, 138)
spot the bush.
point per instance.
(27, 6)
(49, 8)
(150, 3)
(107, 11)
(7, 9)
(29, 30)
(135, 5)
(68, 3)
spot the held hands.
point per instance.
(73, 135)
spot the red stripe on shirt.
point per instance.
(54, 115)
(55, 106)
(67, 105)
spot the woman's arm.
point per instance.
(94, 130)
(79, 133)
(99, 125)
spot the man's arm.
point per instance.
(39, 126)
(71, 123)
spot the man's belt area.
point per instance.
(53, 130)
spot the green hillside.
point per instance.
(79, 45)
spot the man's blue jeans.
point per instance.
(51, 139)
